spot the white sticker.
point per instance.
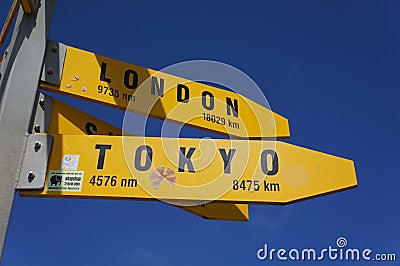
(70, 162)
(70, 181)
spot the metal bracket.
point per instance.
(44, 109)
(53, 63)
(34, 163)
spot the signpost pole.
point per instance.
(20, 74)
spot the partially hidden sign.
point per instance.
(68, 120)
(239, 171)
(141, 90)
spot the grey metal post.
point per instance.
(21, 71)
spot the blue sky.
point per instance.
(331, 68)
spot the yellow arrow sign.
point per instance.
(68, 120)
(192, 169)
(125, 86)
(220, 211)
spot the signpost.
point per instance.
(191, 169)
(137, 89)
(66, 120)
(71, 121)
(39, 157)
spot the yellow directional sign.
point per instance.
(125, 86)
(237, 171)
(221, 211)
(68, 120)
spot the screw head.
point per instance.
(54, 49)
(37, 128)
(37, 145)
(50, 71)
(31, 176)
